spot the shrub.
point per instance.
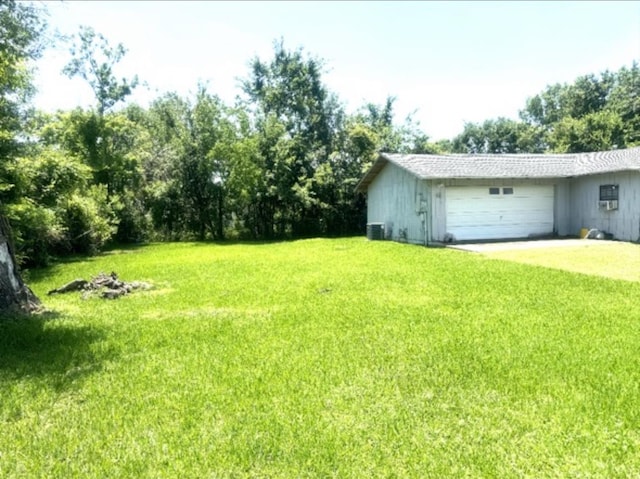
(134, 224)
(36, 232)
(89, 220)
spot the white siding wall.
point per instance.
(623, 223)
(562, 208)
(438, 210)
(393, 198)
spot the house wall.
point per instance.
(396, 198)
(562, 208)
(623, 223)
(438, 226)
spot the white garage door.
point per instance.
(483, 212)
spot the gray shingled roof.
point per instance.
(507, 166)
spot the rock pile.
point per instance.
(106, 286)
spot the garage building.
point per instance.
(426, 199)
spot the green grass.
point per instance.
(323, 358)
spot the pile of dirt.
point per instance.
(106, 286)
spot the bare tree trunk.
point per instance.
(14, 294)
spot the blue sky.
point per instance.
(445, 62)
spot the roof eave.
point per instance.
(491, 177)
(371, 173)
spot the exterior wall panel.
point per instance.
(623, 223)
(562, 208)
(395, 198)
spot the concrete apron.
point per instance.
(522, 245)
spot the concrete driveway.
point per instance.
(523, 245)
(610, 259)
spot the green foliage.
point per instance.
(22, 28)
(167, 125)
(594, 113)
(362, 142)
(379, 118)
(111, 145)
(386, 135)
(323, 358)
(134, 222)
(499, 136)
(37, 231)
(190, 144)
(290, 88)
(110, 150)
(297, 123)
(89, 220)
(50, 174)
(598, 131)
(588, 94)
(624, 100)
(93, 60)
(164, 200)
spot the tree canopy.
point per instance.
(595, 112)
(21, 33)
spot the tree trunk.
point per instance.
(14, 294)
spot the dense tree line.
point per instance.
(594, 113)
(280, 163)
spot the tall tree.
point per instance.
(297, 122)
(392, 136)
(21, 33)
(189, 165)
(499, 136)
(104, 139)
(14, 293)
(109, 140)
(93, 60)
(595, 112)
(598, 131)
(624, 100)
(203, 169)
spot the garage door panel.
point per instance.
(502, 212)
(472, 213)
(505, 222)
(481, 233)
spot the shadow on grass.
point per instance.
(58, 262)
(39, 348)
(265, 242)
(236, 242)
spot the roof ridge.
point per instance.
(518, 165)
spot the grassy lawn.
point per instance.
(611, 259)
(323, 358)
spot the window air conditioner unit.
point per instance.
(608, 205)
